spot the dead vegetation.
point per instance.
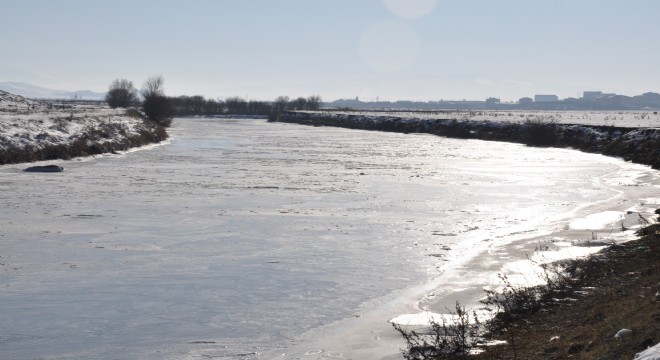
(577, 315)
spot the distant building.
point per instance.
(595, 95)
(592, 95)
(492, 100)
(546, 98)
(526, 101)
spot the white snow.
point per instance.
(652, 353)
(21, 126)
(52, 128)
(597, 221)
(622, 333)
(425, 318)
(652, 200)
(641, 118)
(530, 272)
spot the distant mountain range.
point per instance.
(36, 92)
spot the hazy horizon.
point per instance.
(424, 50)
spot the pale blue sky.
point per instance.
(386, 49)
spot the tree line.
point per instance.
(198, 105)
(161, 108)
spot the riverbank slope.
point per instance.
(30, 131)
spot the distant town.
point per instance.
(590, 100)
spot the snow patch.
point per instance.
(597, 221)
(425, 318)
(652, 353)
(26, 124)
(622, 333)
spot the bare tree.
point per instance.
(236, 105)
(299, 103)
(156, 105)
(281, 103)
(314, 102)
(121, 94)
(153, 86)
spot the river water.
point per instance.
(247, 239)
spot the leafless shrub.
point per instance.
(444, 339)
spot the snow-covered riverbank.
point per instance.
(30, 131)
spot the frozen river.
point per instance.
(247, 239)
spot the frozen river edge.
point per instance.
(639, 145)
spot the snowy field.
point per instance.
(30, 127)
(597, 118)
(63, 127)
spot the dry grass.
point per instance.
(613, 290)
(576, 315)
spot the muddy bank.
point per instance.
(639, 145)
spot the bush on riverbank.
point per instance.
(578, 314)
(455, 337)
(539, 133)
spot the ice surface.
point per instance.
(597, 221)
(242, 237)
